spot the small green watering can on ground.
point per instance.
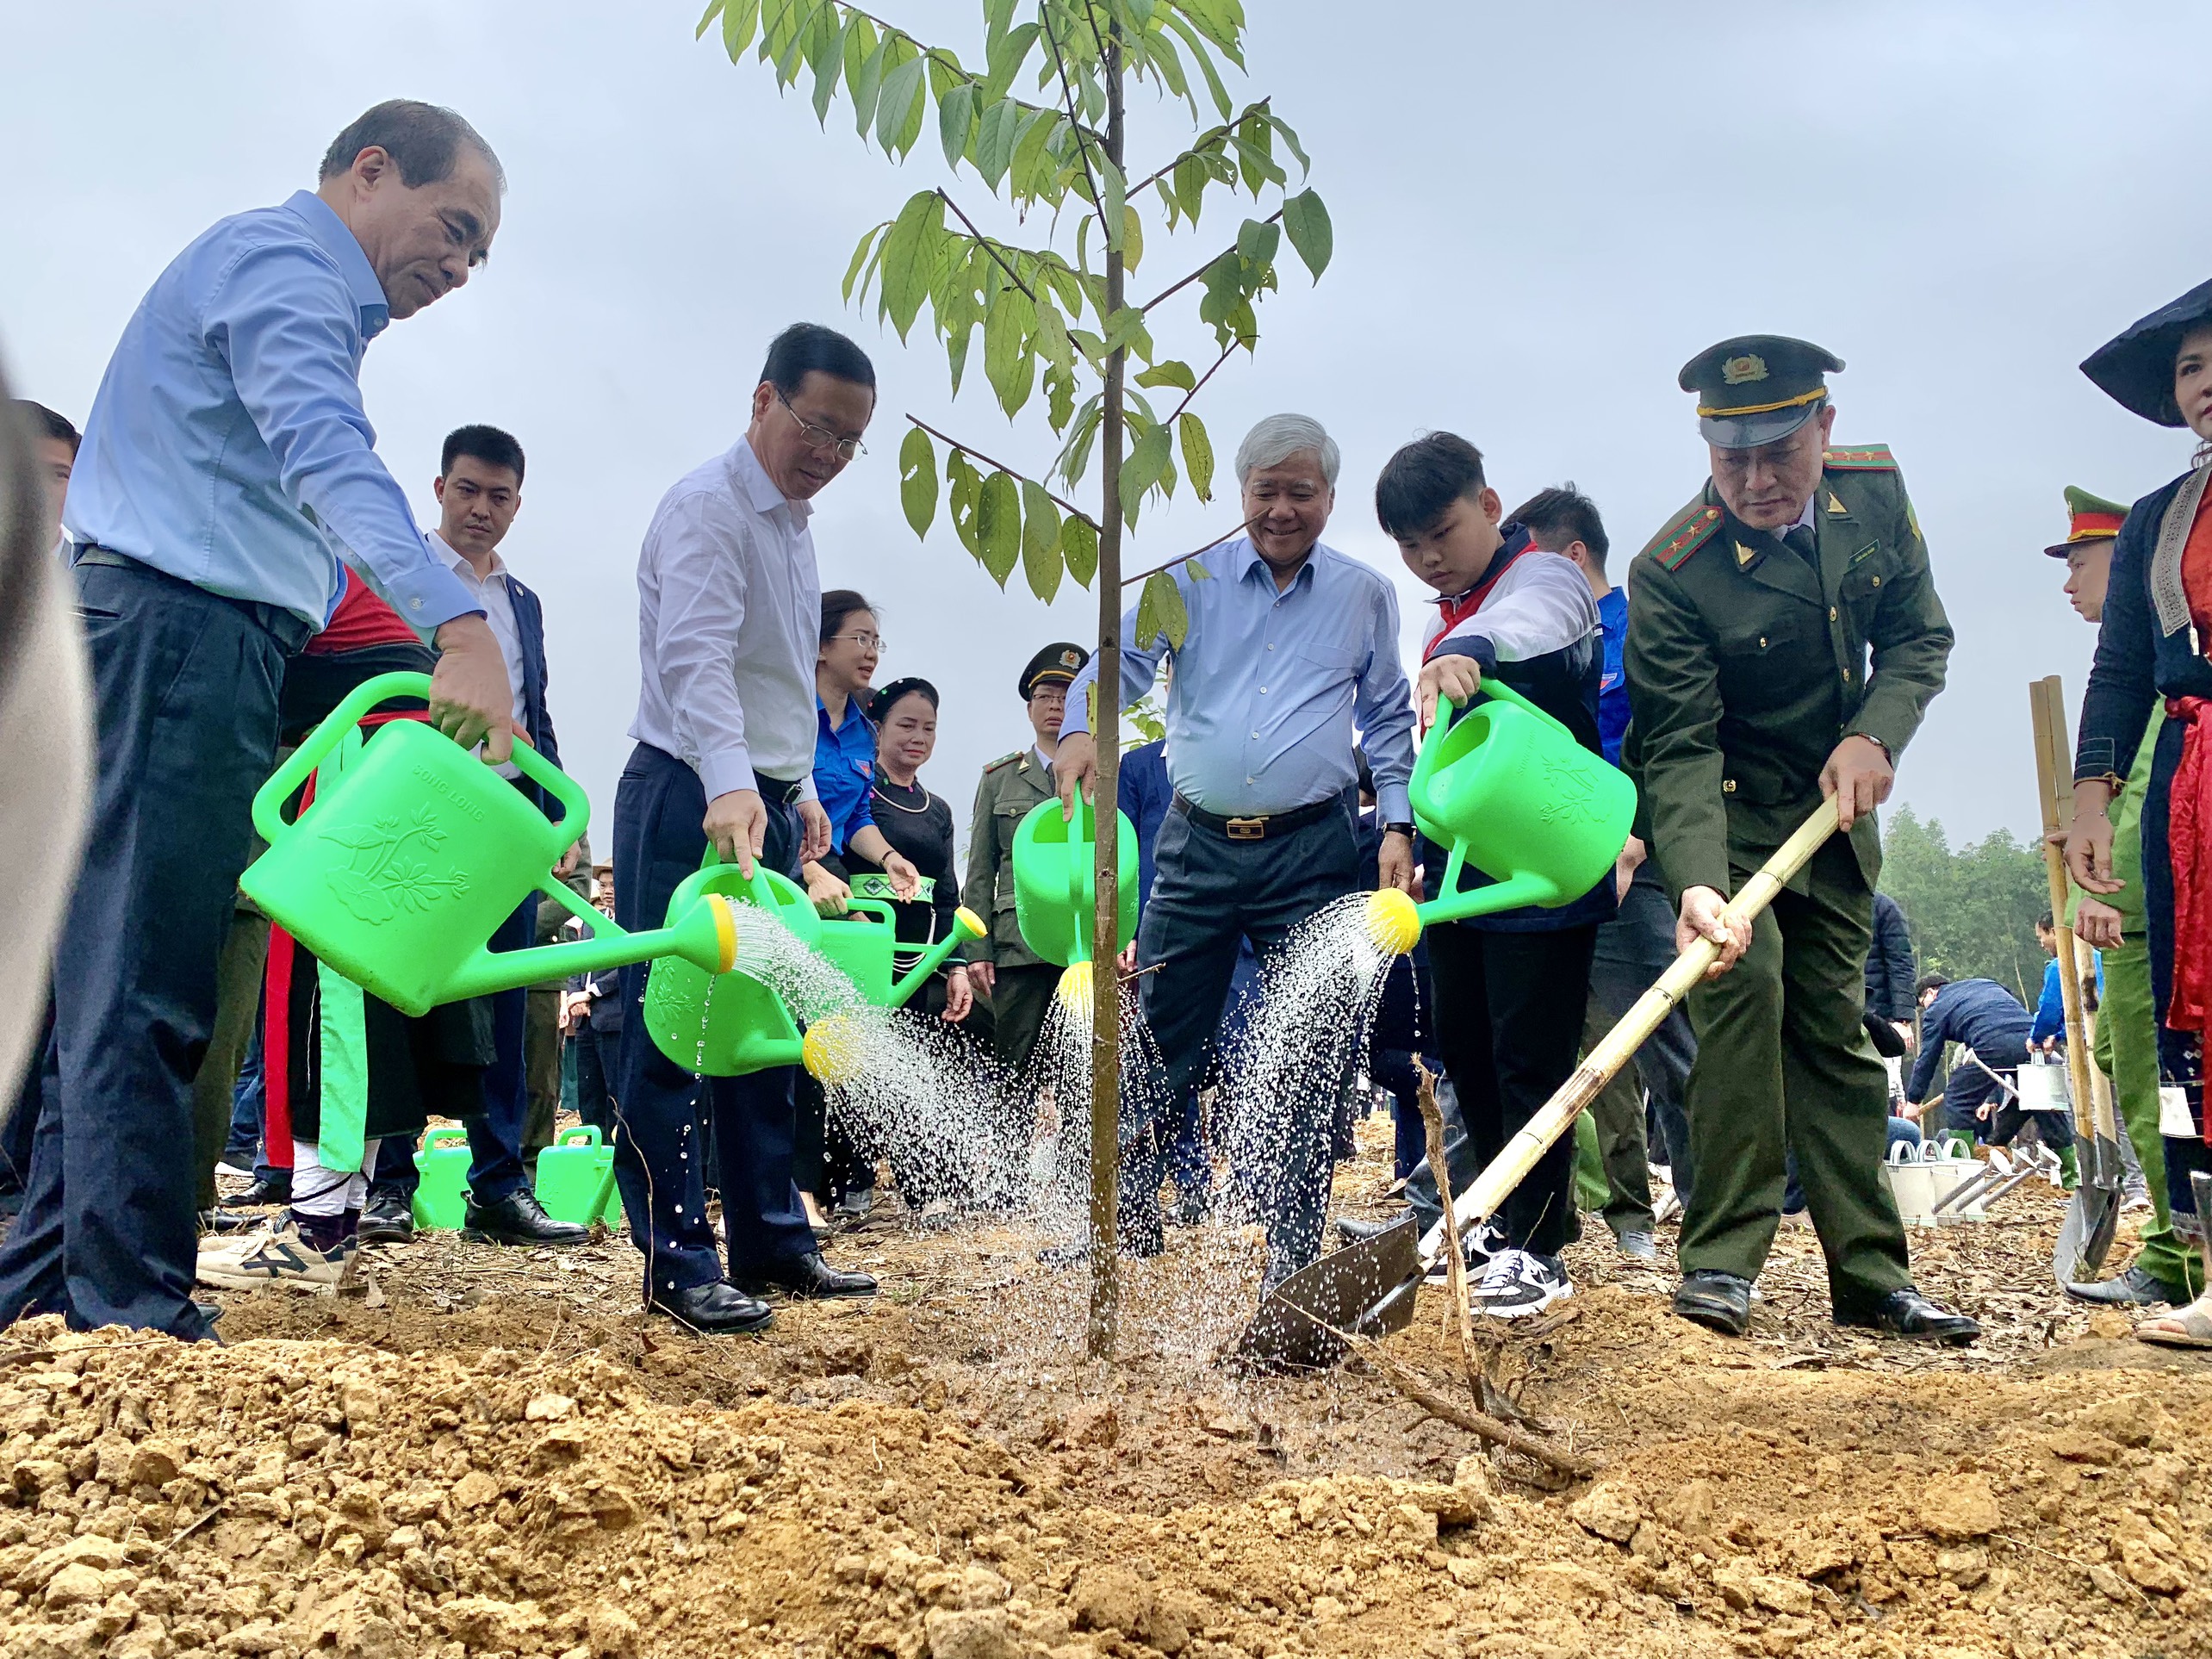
(575, 1179)
(401, 870)
(1509, 790)
(729, 1022)
(1056, 890)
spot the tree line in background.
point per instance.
(1973, 909)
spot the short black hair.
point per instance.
(1559, 517)
(486, 444)
(1929, 982)
(423, 139)
(1420, 482)
(805, 348)
(45, 423)
(880, 705)
(2045, 924)
(838, 604)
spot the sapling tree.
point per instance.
(1043, 271)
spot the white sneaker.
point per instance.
(1477, 1247)
(1519, 1283)
(279, 1256)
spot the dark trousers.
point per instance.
(658, 807)
(1784, 1066)
(215, 1088)
(542, 1049)
(186, 684)
(597, 1054)
(1509, 1020)
(1634, 949)
(1210, 895)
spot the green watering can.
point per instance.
(440, 1199)
(1056, 890)
(727, 1023)
(1510, 790)
(400, 871)
(575, 1179)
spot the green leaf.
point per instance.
(1256, 241)
(955, 117)
(866, 82)
(1004, 61)
(1132, 236)
(965, 498)
(826, 56)
(1008, 362)
(1161, 611)
(909, 254)
(998, 526)
(1059, 396)
(1040, 541)
(1290, 139)
(1051, 342)
(1222, 103)
(900, 97)
(1197, 454)
(1079, 546)
(1124, 329)
(917, 479)
(1172, 372)
(1114, 188)
(1307, 222)
(739, 19)
(1147, 461)
(859, 258)
(1033, 166)
(995, 138)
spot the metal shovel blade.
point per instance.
(1366, 1288)
(2086, 1235)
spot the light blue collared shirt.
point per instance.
(229, 446)
(1268, 686)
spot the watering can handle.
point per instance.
(269, 800)
(579, 1135)
(1425, 763)
(760, 892)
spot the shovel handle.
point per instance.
(1483, 1199)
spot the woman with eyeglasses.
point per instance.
(844, 770)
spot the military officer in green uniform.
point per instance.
(1750, 620)
(1019, 983)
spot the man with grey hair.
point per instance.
(227, 457)
(1291, 653)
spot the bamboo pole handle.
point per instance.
(1506, 1170)
(2046, 705)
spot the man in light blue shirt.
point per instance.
(226, 460)
(1291, 656)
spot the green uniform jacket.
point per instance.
(1011, 785)
(1745, 668)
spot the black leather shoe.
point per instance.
(807, 1275)
(1907, 1313)
(387, 1218)
(715, 1308)
(1719, 1301)
(2133, 1288)
(261, 1194)
(517, 1219)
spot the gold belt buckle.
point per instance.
(1247, 828)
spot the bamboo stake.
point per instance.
(2046, 705)
(1506, 1170)
(1474, 1422)
(1463, 1326)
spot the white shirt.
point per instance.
(729, 624)
(492, 593)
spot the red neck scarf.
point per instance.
(1457, 611)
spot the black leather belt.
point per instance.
(291, 629)
(1259, 829)
(783, 793)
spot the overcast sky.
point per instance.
(1540, 211)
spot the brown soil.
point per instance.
(494, 1453)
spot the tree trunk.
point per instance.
(1106, 728)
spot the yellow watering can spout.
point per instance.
(1076, 990)
(834, 1050)
(1393, 922)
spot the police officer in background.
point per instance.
(1750, 623)
(1017, 981)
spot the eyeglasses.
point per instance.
(875, 643)
(821, 438)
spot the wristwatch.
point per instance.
(1405, 830)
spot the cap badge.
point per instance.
(1738, 371)
(1071, 659)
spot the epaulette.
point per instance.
(1685, 535)
(1003, 760)
(1863, 457)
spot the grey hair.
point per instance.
(1278, 438)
